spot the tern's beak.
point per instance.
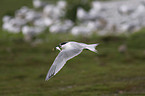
(57, 48)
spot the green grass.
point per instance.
(24, 67)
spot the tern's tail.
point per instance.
(92, 47)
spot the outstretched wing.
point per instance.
(60, 60)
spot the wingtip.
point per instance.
(47, 78)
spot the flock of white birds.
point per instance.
(103, 18)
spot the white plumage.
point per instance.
(68, 50)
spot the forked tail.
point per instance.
(92, 47)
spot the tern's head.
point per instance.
(59, 47)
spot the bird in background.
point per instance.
(68, 50)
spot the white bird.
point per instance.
(68, 50)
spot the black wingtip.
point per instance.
(48, 77)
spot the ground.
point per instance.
(25, 65)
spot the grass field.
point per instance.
(23, 66)
(108, 73)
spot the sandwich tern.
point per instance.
(68, 50)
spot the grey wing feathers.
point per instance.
(60, 60)
(69, 54)
(51, 72)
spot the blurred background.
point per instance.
(30, 29)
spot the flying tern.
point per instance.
(68, 50)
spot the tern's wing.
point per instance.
(60, 60)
